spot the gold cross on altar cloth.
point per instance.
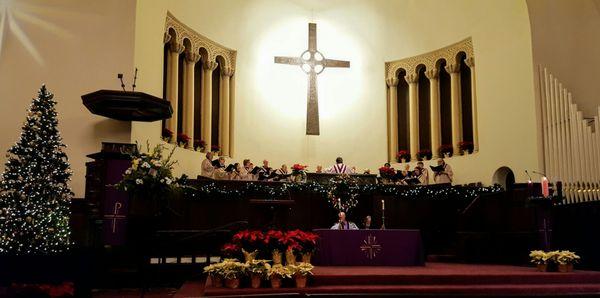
(370, 247)
(312, 63)
(115, 216)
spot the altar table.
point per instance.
(369, 248)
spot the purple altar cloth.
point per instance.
(369, 248)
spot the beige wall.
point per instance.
(79, 47)
(271, 99)
(566, 39)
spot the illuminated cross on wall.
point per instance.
(312, 63)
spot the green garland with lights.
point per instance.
(34, 196)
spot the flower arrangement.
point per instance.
(258, 270)
(424, 154)
(150, 174)
(403, 156)
(278, 272)
(274, 242)
(446, 149)
(215, 148)
(466, 147)
(298, 169)
(387, 172)
(183, 140)
(199, 145)
(232, 270)
(167, 135)
(548, 261)
(300, 241)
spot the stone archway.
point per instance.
(505, 177)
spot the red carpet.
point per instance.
(433, 279)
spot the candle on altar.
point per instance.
(529, 188)
(382, 204)
(545, 187)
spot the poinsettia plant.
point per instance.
(215, 148)
(249, 240)
(167, 135)
(274, 240)
(466, 146)
(424, 154)
(300, 241)
(231, 250)
(446, 149)
(183, 140)
(199, 144)
(298, 169)
(403, 154)
(387, 172)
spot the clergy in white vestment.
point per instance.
(343, 224)
(207, 169)
(340, 168)
(445, 175)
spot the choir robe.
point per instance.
(281, 175)
(348, 225)
(424, 177)
(339, 168)
(445, 176)
(220, 174)
(207, 169)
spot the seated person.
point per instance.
(343, 224)
(238, 173)
(265, 173)
(220, 169)
(414, 177)
(207, 169)
(402, 175)
(246, 170)
(340, 168)
(282, 174)
(367, 223)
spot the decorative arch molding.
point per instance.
(449, 107)
(200, 84)
(430, 60)
(198, 41)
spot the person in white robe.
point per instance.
(424, 177)
(444, 176)
(220, 173)
(207, 169)
(283, 174)
(343, 224)
(340, 168)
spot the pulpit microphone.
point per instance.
(528, 175)
(120, 77)
(541, 174)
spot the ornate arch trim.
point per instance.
(198, 41)
(429, 60)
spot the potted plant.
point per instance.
(424, 154)
(277, 273)
(258, 270)
(167, 135)
(540, 259)
(301, 271)
(403, 156)
(466, 147)
(199, 145)
(231, 250)
(183, 140)
(215, 148)
(565, 260)
(299, 172)
(214, 273)
(274, 242)
(446, 150)
(387, 174)
(250, 242)
(232, 271)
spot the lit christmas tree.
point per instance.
(34, 195)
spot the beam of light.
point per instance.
(3, 10)
(42, 24)
(22, 37)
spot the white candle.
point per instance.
(382, 204)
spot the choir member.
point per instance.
(340, 167)
(343, 224)
(367, 222)
(265, 172)
(424, 173)
(220, 172)
(207, 169)
(239, 173)
(282, 173)
(443, 172)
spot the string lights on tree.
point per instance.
(34, 196)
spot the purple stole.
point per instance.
(339, 168)
(344, 226)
